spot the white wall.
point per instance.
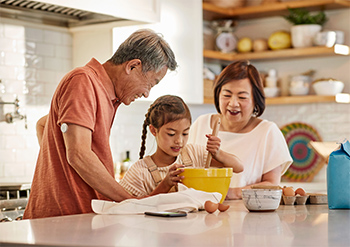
(33, 59)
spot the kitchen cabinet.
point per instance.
(251, 13)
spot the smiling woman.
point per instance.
(259, 144)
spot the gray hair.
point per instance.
(148, 46)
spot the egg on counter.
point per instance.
(210, 206)
(223, 207)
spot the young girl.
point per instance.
(169, 121)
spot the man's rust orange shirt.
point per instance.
(85, 97)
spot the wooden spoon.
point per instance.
(214, 133)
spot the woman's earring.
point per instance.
(255, 111)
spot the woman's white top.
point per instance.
(260, 150)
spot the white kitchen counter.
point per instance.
(301, 225)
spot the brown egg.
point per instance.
(300, 191)
(288, 191)
(223, 208)
(210, 206)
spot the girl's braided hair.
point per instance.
(165, 109)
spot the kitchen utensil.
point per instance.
(214, 133)
(208, 179)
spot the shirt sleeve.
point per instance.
(77, 103)
(277, 151)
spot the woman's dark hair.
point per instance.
(165, 109)
(237, 71)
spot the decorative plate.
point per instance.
(306, 162)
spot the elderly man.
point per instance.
(75, 162)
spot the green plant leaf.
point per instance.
(302, 16)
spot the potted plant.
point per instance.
(305, 26)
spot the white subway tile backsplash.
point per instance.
(6, 44)
(7, 72)
(14, 170)
(66, 67)
(2, 172)
(8, 156)
(30, 47)
(2, 58)
(29, 58)
(14, 141)
(35, 88)
(14, 32)
(44, 49)
(67, 39)
(53, 63)
(49, 89)
(14, 59)
(52, 37)
(45, 76)
(62, 51)
(19, 46)
(34, 34)
(34, 61)
(14, 87)
(2, 34)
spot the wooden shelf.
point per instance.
(278, 54)
(290, 100)
(212, 12)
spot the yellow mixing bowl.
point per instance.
(208, 179)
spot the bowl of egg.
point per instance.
(208, 179)
(262, 198)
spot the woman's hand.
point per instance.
(213, 145)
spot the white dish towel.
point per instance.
(186, 199)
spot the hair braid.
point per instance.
(165, 109)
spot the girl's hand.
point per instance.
(172, 178)
(213, 145)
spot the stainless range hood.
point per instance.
(53, 13)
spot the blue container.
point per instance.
(338, 178)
